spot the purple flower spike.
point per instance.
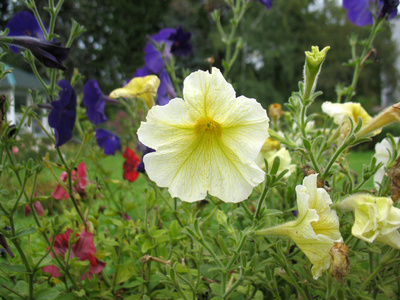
(63, 114)
(267, 3)
(108, 141)
(180, 42)
(24, 24)
(95, 101)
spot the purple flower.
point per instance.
(267, 3)
(389, 9)
(180, 42)
(95, 101)
(359, 11)
(145, 150)
(165, 91)
(63, 114)
(25, 32)
(24, 24)
(153, 58)
(51, 54)
(108, 141)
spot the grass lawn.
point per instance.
(356, 161)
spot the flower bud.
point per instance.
(312, 67)
(275, 112)
(386, 117)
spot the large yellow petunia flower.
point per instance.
(316, 228)
(207, 142)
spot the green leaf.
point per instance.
(46, 294)
(147, 245)
(216, 288)
(24, 232)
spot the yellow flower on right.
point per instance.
(375, 219)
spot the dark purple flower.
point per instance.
(145, 150)
(267, 3)
(63, 114)
(389, 9)
(153, 58)
(51, 54)
(108, 141)
(180, 42)
(359, 12)
(25, 32)
(95, 101)
(24, 24)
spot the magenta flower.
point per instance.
(83, 249)
(79, 181)
(38, 208)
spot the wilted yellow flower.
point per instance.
(144, 87)
(375, 219)
(207, 142)
(316, 228)
(340, 263)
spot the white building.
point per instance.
(16, 87)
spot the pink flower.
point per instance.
(83, 249)
(15, 150)
(79, 181)
(38, 207)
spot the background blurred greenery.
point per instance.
(117, 30)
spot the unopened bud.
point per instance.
(340, 262)
(275, 112)
(388, 116)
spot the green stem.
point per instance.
(357, 69)
(260, 202)
(386, 259)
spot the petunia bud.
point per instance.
(275, 112)
(312, 67)
(340, 262)
(386, 117)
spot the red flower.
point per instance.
(83, 249)
(79, 180)
(130, 165)
(38, 207)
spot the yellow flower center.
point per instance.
(208, 125)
